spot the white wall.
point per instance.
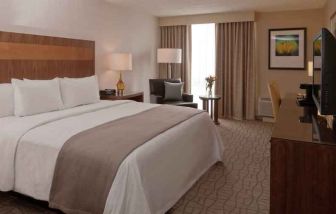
(114, 28)
(330, 9)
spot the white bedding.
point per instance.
(150, 180)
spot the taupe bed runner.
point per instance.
(88, 162)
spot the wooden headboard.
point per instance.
(44, 57)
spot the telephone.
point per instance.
(108, 92)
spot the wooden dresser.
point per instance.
(303, 170)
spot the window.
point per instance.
(203, 58)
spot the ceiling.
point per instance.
(163, 8)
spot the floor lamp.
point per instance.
(169, 55)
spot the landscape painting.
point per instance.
(287, 49)
(317, 47)
(287, 45)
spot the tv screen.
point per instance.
(324, 72)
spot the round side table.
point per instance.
(213, 102)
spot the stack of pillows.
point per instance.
(30, 97)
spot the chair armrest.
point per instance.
(156, 99)
(188, 97)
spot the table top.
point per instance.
(212, 97)
(125, 94)
(288, 125)
(130, 93)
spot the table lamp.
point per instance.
(120, 62)
(169, 55)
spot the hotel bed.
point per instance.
(150, 178)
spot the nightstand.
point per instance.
(136, 96)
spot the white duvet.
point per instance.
(150, 180)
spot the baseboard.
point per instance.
(268, 119)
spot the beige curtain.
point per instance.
(177, 37)
(235, 71)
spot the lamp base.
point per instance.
(120, 86)
(169, 71)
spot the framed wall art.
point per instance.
(333, 24)
(287, 48)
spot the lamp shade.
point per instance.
(169, 55)
(120, 61)
(310, 68)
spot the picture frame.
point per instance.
(287, 49)
(333, 23)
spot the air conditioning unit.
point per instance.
(265, 107)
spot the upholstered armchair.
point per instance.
(157, 94)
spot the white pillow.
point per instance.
(35, 97)
(6, 100)
(53, 82)
(79, 91)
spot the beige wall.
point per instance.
(330, 9)
(115, 29)
(207, 18)
(288, 80)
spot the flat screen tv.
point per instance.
(324, 72)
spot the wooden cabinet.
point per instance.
(303, 171)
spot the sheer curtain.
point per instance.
(203, 58)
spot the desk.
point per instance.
(303, 171)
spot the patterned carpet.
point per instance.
(239, 185)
